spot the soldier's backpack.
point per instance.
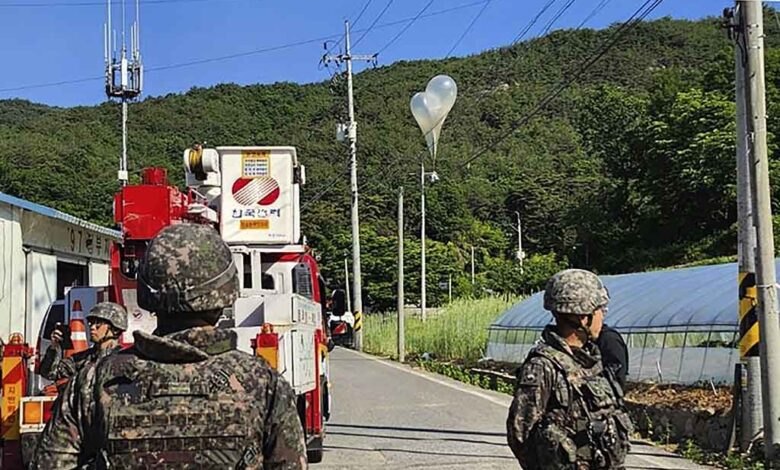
(190, 414)
(585, 424)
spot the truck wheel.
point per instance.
(314, 450)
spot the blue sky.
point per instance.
(47, 41)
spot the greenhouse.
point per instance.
(681, 325)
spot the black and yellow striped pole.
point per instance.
(357, 329)
(748, 318)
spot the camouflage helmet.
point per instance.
(187, 268)
(114, 314)
(575, 291)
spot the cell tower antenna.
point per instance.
(124, 76)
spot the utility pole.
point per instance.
(346, 283)
(423, 296)
(751, 22)
(401, 330)
(752, 419)
(449, 287)
(520, 254)
(357, 288)
(472, 264)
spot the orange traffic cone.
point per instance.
(78, 331)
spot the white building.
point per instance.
(43, 251)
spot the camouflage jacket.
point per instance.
(186, 400)
(55, 367)
(567, 412)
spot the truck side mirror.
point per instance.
(339, 302)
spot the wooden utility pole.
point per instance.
(401, 331)
(751, 37)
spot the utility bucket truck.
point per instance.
(251, 195)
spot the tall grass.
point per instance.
(458, 332)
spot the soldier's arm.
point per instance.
(59, 444)
(284, 446)
(535, 381)
(54, 366)
(50, 361)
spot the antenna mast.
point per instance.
(124, 77)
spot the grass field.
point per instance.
(457, 332)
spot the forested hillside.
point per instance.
(631, 168)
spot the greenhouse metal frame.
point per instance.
(680, 325)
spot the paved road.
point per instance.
(389, 416)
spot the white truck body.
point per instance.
(254, 192)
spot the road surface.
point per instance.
(389, 416)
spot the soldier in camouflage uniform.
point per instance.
(184, 397)
(568, 412)
(107, 322)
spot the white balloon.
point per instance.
(431, 107)
(424, 109)
(444, 88)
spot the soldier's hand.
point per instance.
(56, 335)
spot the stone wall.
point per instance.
(708, 429)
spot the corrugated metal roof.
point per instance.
(55, 214)
(690, 299)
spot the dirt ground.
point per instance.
(690, 398)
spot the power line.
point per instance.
(557, 16)
(381, 13)
(640, 14)
(468, 28)
(101, 4)
(239, 54)
(181, 64)
(391, 170)
(594, 12)
(52, 84)
(408, 25)
(531, 23)
(247, 53)
(328, 186)
(360, 15)
(517, 39)
(390, 173)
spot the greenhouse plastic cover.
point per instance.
(689, 299)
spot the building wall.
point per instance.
(12, 273)
(30, 246)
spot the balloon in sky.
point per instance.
(431, 107)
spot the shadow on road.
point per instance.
(419, 452)
(408, 438)
(407, 429)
